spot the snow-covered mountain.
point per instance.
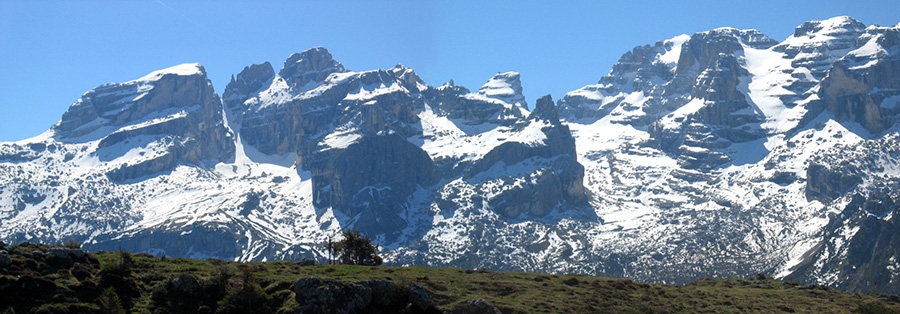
(722, 153)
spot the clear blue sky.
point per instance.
(51, 52)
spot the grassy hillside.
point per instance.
(45, 279)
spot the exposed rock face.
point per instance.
(825, 182)
(610, 93)
(348, 129)
(273, 118)
(305, 70)
(862, 86)
(860, 242)
(249, 82)
(488, 105)
(705, 49)
(837, 33)
(687, 90)
(371, 180)
(708, 70)
(173, 112)
(556, 177)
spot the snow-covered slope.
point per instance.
(722, 153)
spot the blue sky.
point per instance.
(51, 52)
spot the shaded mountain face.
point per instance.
(724, 153)
(362, 137)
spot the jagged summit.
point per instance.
(748, 37)
(545, 109)
(408, 76)
(309, 67)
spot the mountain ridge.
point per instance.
(709, 155)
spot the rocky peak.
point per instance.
(499, 101)
(505, 87)
(645, 69)
(173, 114)
(838, 26)
(250, 79)
(408, 77)
(451, 86)
(310, 66)
(705, 48)
(545, 109)
(860, 85)
(816, 44)
(749, 37)
(118, 104)
(186, 69)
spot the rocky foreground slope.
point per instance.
(38, 278)
(724, 153)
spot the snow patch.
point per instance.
(673, 49)
(186, 69)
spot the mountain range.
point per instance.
(724, 153)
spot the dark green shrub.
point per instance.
(245, 296)
(118, 275)
(110, 303)
(66, 308)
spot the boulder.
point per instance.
(307, 262)
(5, 260)
(318, 295)
(479, 306)
(60, 257)
(184, 284)
(61, 252)
(419, 298)
(383, 291)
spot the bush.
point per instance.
(72, 244)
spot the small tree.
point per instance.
(355, 249)
(110, 302)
